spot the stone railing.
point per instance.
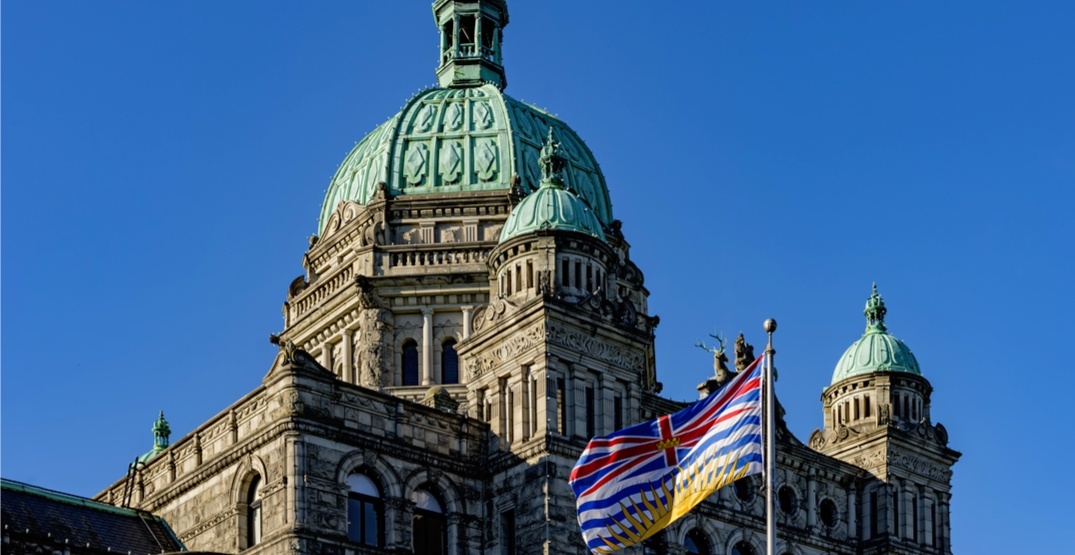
(439, 257)
(326, 288)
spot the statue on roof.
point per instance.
(744, 353)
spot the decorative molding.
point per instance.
(606, 352)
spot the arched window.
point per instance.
(409, 362)
(253, 512)
(449, 362)
(365, 511)
(742, 548)
(429, 526)
(696, 543)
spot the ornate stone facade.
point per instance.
(438, 369)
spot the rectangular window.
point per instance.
(578, 274)
(857, 416)
(507, 532)
(561, 403)
(617, 412)
(896, 513)
(518, 278)
(933, 521)
(565, 280)
(589, 277)
(529, 274)
(866, 406)
(511, 416)
(533, 406)
(914, 517)
(591, 416)
(874, 532)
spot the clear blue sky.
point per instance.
(164, 163)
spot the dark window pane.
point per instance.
(371, 530)
(449, 362)
(410, 363)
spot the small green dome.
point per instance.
(876, 350)
(552, 206)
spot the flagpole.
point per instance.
(770, 441)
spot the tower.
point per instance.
(877, 417)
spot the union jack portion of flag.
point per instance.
(633, 482)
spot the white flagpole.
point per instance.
(770, 442)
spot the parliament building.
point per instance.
(468, 317)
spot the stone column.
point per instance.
(811, 499)
(348, 374)
(466, 321)
(326, 355)
(427, 346)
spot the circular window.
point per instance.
(742, 548)
(785, 497)
(828, 513)
(744, 490)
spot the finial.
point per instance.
(552, 161)
(875, 312)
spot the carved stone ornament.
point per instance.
(578, 341)
(426, 117)
(292, 355)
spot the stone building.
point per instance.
(468, 316)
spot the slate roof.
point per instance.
(30, 514)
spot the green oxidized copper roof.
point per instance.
(876, 350)
(466, 135)
(551, 206)
(466, 139)
(161, 433)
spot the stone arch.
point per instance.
(244, 474)
(747, 536)
(439, 484)
(448, 492)
(692, 522)
(785, 548)
(386, 476)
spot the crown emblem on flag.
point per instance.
(668, 443)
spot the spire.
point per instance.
(471, 34)
(875, 312)
(552, 161)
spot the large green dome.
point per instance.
(551, 206)
(471, 138)
(876, 350)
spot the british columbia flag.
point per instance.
(632, 483)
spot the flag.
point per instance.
(632, 483)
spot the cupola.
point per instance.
(552, 207)
(876, 350)
(161, 433)
(470, 42)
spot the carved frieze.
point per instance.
(606, 352)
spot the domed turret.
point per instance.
(876, 350)
(551, 206)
